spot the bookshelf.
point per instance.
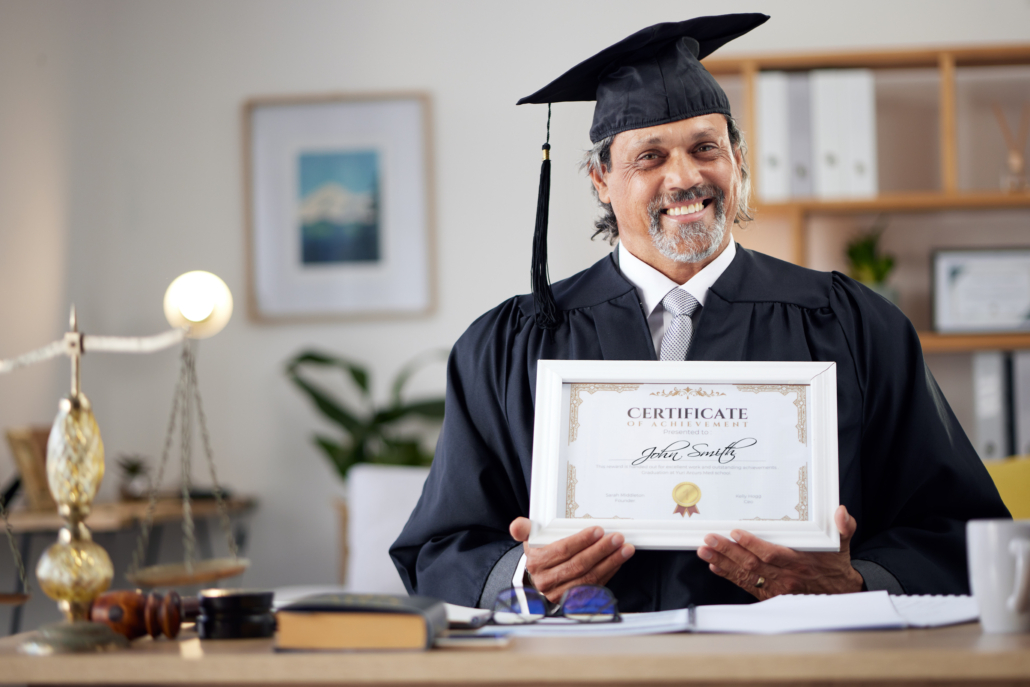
(948, 196)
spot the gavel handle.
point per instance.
(134, 614)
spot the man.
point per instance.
(669, 168)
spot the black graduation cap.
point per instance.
(650, 78)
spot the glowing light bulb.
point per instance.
(199, 301)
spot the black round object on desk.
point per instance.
(217, 601)
(241, 627)
(235, 614)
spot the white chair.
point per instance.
(379, 500)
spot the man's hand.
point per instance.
(748, 559)
(588, 557)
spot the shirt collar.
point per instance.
(652, 286)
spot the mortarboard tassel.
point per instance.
(543, 298)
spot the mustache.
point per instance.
(654, 207)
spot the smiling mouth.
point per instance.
(697, 206)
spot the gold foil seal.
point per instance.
(686, 495)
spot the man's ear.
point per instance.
(597, 178)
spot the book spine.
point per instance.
(859, 141)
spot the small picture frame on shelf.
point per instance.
(980, 291)
(339, 206)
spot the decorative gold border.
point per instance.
(688, 392)
(575, 401)
(801, 401)
(802, 507)
(570, 492)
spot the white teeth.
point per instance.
(685, 210)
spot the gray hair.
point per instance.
(599, 159)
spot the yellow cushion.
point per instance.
(1012, 477)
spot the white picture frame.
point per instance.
(981, 290)
(548, 486)
(338, 206)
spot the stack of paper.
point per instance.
(781, 614)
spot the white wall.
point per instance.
(120, 167)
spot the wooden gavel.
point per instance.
(134, 614)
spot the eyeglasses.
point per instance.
(583, 604)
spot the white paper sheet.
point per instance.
(781, 614)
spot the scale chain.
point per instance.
(223, 510)
(14, 549)
(189, 539)
(138, 557)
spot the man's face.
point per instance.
(673, 188)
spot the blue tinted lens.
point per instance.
(589, 601)
(528, 602)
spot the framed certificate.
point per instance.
(981, 290)
(667, 452)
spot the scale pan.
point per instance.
(175, 574)
(13, 599)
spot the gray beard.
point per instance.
(693, 242)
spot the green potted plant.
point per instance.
(869, 265)
(369, 434)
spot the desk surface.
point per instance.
(114, 516)
(951, 655)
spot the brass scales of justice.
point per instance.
(75, 570)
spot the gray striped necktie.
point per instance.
(677, 337)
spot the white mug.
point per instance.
(999, 573)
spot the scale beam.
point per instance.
(76, 344)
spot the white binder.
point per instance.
(859, 145)
(773, 137)
(1021, 401)
(990, 404)
(799, 114)
(829, 115)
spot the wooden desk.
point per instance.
(959, 655)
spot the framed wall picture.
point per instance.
(981, 290)
(668, 452)
(339, 206)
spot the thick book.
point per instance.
(360, 621)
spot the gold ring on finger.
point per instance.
(760, 583)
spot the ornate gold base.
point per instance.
(73, 638)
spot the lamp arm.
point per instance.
(132, 344)
(105, 344)
(37, 356)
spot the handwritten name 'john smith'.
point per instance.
(678, 450)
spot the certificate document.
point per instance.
(667, 452)
(675, 451)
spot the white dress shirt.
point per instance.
(652, 286)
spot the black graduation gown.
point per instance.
(908, 473)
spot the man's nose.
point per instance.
(683, 172)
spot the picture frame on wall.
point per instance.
(338, 206)
(669, 452)
(983, 290)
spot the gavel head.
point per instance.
(134, 614)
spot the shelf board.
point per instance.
(933, 342)
(902, 202)
(876, 59)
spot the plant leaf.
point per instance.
(329, 407)
(409, 370)
(311, 357)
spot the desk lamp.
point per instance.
(75, 570)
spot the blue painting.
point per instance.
(339, 206)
